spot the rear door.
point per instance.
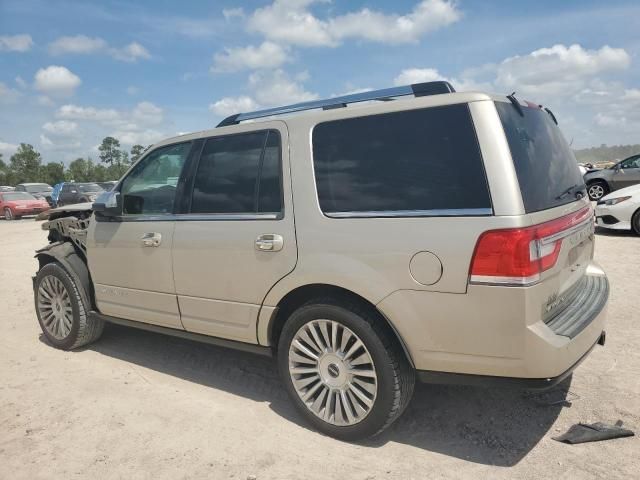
(66, 194)
(628, 174)
(236, 237)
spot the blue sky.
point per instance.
(74, 72)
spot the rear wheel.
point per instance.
(61, 310)
(345, 373)
(8, 214)
(597, 190)
(635, 222)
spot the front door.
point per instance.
(130, 256)
(236, 238)
(628, 174)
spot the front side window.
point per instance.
(239, 174)
(633, 162)
(411, 162)
(150, 188)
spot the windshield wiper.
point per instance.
(578, 193)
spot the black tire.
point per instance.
(597, 189)
(395, 376)
(635, 222)
(8, 214)
(84, 330)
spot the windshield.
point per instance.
(40, 187)
(9, 197)
(89, 187)
(547, 170)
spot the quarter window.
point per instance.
(239, 174)
(405, 162)
(150, 188)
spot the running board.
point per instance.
(197, 337)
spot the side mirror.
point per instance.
(617, 167)
(108, 204)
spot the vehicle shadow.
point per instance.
(607, 232)
(493, 426)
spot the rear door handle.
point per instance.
(269, 242)
(151, 239)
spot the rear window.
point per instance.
(402, 163)
(546, 167)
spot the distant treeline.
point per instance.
(605, 153)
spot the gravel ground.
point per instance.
(142, 405)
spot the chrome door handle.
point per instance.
(269, 242)
(151, 239)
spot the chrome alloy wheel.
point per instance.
(596, 192)
(333, 372)
(54, 306)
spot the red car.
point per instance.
(17, 204)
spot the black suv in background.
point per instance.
(622, 174)
(78, 193)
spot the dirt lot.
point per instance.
(142, 405)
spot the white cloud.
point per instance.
(45, 101)
(230, 105)
(61, 128)
(131, 90)
(15, 43)
(130, 53)
(56, 80)
(138, 125)
(266, 55)
(20, 82)
(277, 88)
(559, 69)
(419, 75)
(231, 13)
(79, 44)
(8, 149)
(84, 45)
(7, 94)
(291, 22)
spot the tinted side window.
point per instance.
(150, 188)
(239, 174)
(407, 161)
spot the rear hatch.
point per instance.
(554, 251)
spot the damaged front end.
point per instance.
(68, 223)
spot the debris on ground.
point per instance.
(595, 432)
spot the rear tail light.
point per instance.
(517, 256)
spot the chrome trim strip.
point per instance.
(200, 217)
(449, 212)
(504, 281)
(568, 232)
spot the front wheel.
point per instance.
(8, 214)
(61, 310)
(344, 371)
(635, 222)
(597, 190)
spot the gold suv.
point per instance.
(366, 240)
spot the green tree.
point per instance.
(52, 173)
(110, 152)
(136, 152)
(26, 163)
(78, 171)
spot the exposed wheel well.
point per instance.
(308, 293)
(597, 180)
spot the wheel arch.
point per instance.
(306, 293)
(67, 255)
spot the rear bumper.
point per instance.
(497, 332)
(447, 378)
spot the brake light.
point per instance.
(517, 256)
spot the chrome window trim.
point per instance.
(568, 232)
(200, 217)
(449, 212)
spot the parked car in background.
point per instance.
(623, 174)
(38, 190)
(14, 205)
(620, 210)
(6, 188)
(78, 193)
(107, 186)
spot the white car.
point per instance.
(620, 210)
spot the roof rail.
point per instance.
(416, 89)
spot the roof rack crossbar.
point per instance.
(416, 89)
